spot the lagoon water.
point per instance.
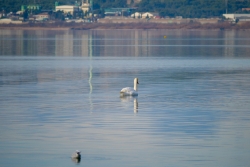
(59, 91)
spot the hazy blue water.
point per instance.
(59, 91)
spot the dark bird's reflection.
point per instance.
(76, 160)
(128, 99)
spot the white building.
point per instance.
(149, 15)
(85, 5)
(73, 8)
(136, 15)
(240, 17)
(8, 21)
(19, 12)
(67, 9)
(42, 16)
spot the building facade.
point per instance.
(30, 7)
(239, 17)
(42, 16)
(67, 9)
(86, 6)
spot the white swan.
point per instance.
(130, 91)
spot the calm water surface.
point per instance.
(59, 91)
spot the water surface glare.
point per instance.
(59, 92)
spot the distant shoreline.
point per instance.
(112, 26)
(35, 28)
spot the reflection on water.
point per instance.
(137, 42)
(59, 91)
(135, 105)
(76, 160)
(130, 99)
(90, 55)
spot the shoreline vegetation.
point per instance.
(139, 25)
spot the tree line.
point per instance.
(193, 8)
(170, 8)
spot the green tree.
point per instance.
(59, 15)
(192, 8)
(25, 15)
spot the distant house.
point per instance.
(136, 15)
(157, 17)
(42, 16)
(178, 17)
(8, 21)
(118, 11)
(112, 12)
(19, 12)
(239, 17)
(149, 15)
(245, 9)
(67, 9)
(86, 5)
(30, 7)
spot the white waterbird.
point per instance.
(128, 91)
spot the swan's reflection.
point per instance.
(128, 99)
(135, 105)
(76, 160)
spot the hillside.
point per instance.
(171, 8)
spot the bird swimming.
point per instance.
(128, 91)
(76, 155)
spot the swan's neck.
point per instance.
(135, 85)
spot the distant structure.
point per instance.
(226, 6)
(42, 17)
(30, 7)
(239, 17)
(67, 9)
(86, 6)
(136, 15)
(56, 4)
(133, 1)
(245, 9)
(149, 15)
(130, 2)
(118, 11)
